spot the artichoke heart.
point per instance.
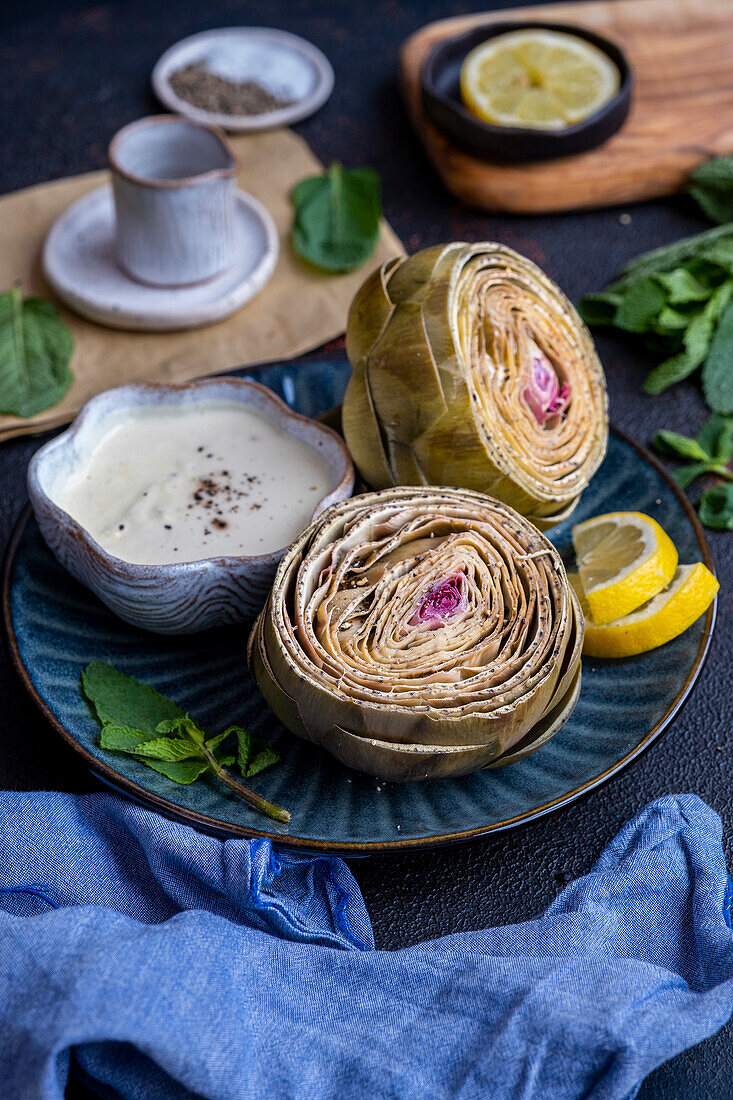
(417, 633)
(470, 367)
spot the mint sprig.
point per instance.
(685, 311)
(710, 453)
(139, 721)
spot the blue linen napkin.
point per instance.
(179, 966)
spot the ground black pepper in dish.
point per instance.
(210, 92)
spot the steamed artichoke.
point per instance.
(471, 368)
(418, 633)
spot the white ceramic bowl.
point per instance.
(188, 596)
(283, 62)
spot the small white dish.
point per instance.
(182, 597)
(79, 261)
(285, 64)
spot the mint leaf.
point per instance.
(244, 748)
(696, 342)
(253, 754)
(159, 754)
(168, 748)
(716, 172)
(599, 309)
(682, 287)
(181, 771)
(680, 445)
(712, 188)
(717, 371)
(720, 254)
(262, 758)
(337, 218)
(717, 205)
(678, 367)
(671, 321)
(670, 256)
(716, 507)
(640, 306)
(121, 738)
(182, 726)
(35, 349)
(685, 475)
(716, 437)
(124, 701)
(213, 742)
(137, 743)
(708, 453)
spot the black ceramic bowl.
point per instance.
(441, 95)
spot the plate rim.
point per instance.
(214, 826)
(246, 124)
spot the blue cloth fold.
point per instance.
(180, 966)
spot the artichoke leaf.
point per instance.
(370, 310)
(406, 763)
(545, 729)
(365, 432)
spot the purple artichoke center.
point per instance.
(442, 600)
(543, 394)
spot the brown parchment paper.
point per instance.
(297, 310)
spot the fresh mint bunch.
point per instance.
(679, 299)
(680, 296)
(137, 720)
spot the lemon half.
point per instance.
(538, 79)
(624, 558)
(664, 617)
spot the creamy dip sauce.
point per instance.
(175, 484)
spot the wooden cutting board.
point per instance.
(681, 52)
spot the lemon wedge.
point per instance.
(624, 558)
(539, 79)
(664, 617)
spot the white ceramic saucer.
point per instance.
(285, 64)
(79, 263)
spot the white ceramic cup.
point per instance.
(174, 184)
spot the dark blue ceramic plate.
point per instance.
(55, 627)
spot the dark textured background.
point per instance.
(72, 74)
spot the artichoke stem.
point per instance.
(269, 809)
